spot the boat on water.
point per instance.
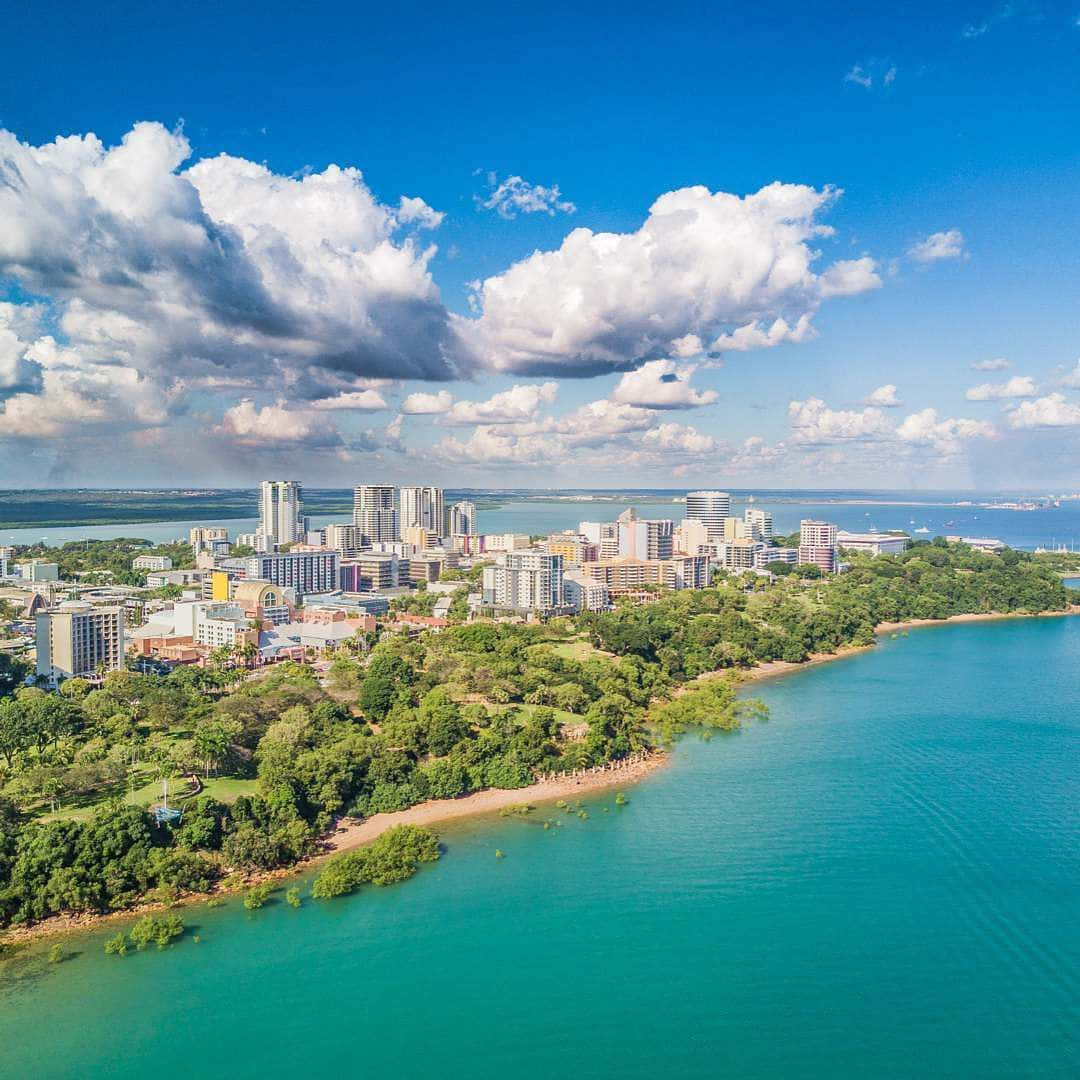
(922, 529)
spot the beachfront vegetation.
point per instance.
(394, 856)
(262, 766)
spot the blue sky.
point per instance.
(132, 353)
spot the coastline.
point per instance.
(347, 836)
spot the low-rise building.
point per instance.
(765, 555)
(506, 541)
(151, 562)
(575, 548)
(990, 546)
(873, 543)
(160, 578)
(678, 572)
(38, 570)
(739, 553)
(584, 592)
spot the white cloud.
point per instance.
(702, 264)
(514, 406)
(813, 422)
(756, 335)
(1019, 386)
(224, 269)
(946, 436)
(18, 373)
(678, 438)
(514, 196)
(359, 400)
(427, 404)
(938, 246)
(997, 364)
(1052, 411)
(860, 77)
(884, 397)
(414, 211)
(1072, 378)
(248, 425)
(662, 384)
(871, 73)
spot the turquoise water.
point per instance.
(881, 880)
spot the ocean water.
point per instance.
(854, 511)
(882, 880)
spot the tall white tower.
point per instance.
(710, 507)
(422, 507)
(375, 513)
(281, 507)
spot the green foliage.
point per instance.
(292, 897)
(56, 954)
(159, 929)
(257, 896)
(394, 856)
(710, 704)
(117, 946)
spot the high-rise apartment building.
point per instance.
(604, 534)
(462, 520)
(710, 507)
(281, 506)
(348, 539)
(77, 639)
(758, 523)
(817, 544)
(525, 581)
(375, 512)
(644, 539)
(7, 554)
(422, 508)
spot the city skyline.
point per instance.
(863, 281)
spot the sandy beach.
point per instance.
(435, 811)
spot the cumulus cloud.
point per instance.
(424, 404)
(662, 384)
(813, 422)
(1019, 386)
(356, 400)
(997, 364)
(884, 397)
(514, 406)
(514, 196)
(248, 425)
(223, 268)
(704, 264)
(939, 246)
(679, 438)
(1052, 411)
(946, 436)
(18, 373)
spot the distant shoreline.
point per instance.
(350, 835)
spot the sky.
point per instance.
(602, 245)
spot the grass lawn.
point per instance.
(579, 649)
(561, 715)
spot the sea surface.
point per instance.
(882, 880)
(918, 513)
